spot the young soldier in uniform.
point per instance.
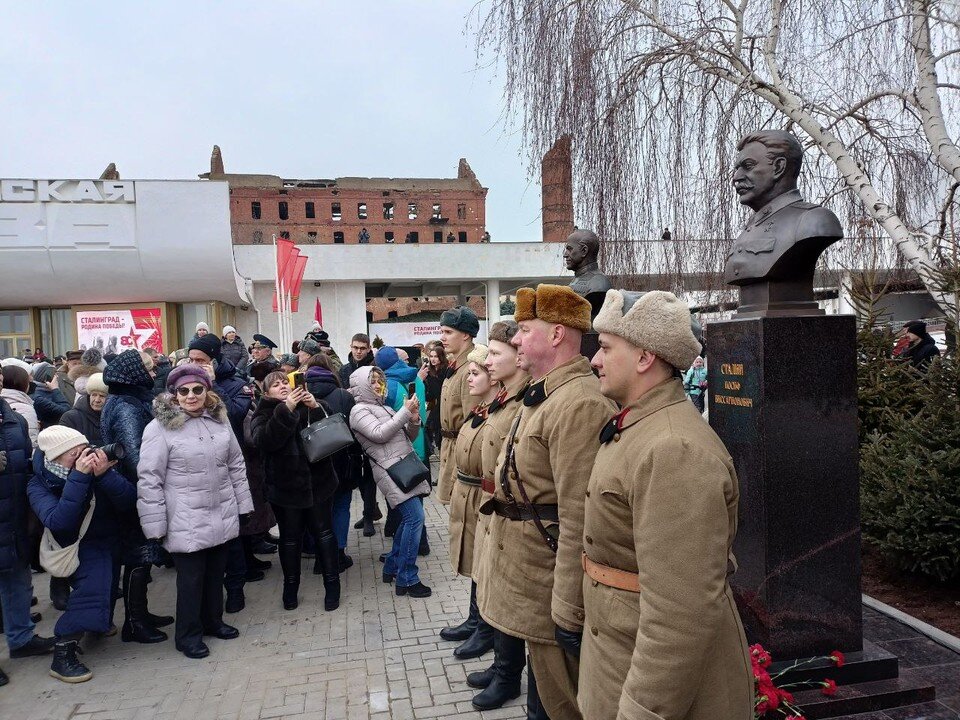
(530, 572)
(663, 638)
(458, 328)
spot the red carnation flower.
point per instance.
(829, 687)
(838, 658)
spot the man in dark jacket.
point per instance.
(48, 400)
(65, 383)
(361, 355)
(922, 348)
(16, 588)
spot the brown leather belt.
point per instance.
(449, 434)
(488, 485)
(469, 479)
(511, 511)
(611, 577)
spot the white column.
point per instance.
(493, 302)
(845, 304)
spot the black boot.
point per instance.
(136, 626)
(368, 529)
(66, 665)
(290, 563)
(345, 561)
(157, 621)
(482, 678)
(253, 562)
(392, 523)
(508, 664)
(535, 709)
(424, 548)
(235, 601)
(478, 644)
(328, 558)
(59, 592)
(3, 678)
(461, 632)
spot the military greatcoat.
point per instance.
(467, 493)
(456, 402)
(500, 416)
(662, 503)
(555, 445)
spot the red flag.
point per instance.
(287, 254)
(298, 269)
(318, 313)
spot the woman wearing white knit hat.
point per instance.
(233, 349)
(70, 482)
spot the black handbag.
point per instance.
(408, 472)
(325, 437)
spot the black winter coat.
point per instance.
(350, 365)
(236, 393)
(15, 543)
(922, 353)
(84, 420)
(335, 399)
(292, 481)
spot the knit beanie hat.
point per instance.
(311, 347)
(657, 321)
(202, 326)
(189, 373)
(917, 327)
(128, 368)
(461, 318)
(386, 357)
(42, 372)
(228, 329)
(92, 357)
(207, 344)
(57, 439)
(96, 384)
(554, 304)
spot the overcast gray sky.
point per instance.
(297, 89)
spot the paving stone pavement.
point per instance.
(378, 656)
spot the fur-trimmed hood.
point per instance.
(78, 371)
(168, 413)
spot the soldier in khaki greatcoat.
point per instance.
(530, 574)
(501, 681)
(465, 502)
(458, 328)
(663, 639)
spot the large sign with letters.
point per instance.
(113, 331)
(69, 191)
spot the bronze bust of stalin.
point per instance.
(580, 255)
(774, 258)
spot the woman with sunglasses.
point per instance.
(191, 493)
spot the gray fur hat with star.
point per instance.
(657, 321)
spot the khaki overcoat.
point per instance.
(456, 402)
(556, 443)
(500, 418)
(662, 502)
(465, 498)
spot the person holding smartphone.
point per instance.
(300, 492)
(69, 478)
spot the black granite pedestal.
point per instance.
(783, 398)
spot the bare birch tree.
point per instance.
(657, 92)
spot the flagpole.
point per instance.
(276, 286)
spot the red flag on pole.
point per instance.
(298, 268)
(287, 253)
(318, 313)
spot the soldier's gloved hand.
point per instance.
(568, 639)
(3, 460)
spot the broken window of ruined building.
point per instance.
(255, 210)
(258, 237)
(362, 211)
(285, 235)
(284, 212)
(363, 236)
(311, 237)
(338, 238)
(450, 237)
(436, 211)
(411, 211)
(335, 213)
(438, 236)
(388, 237)
(309, 210)
(461, 236)
(388, 211)
(461, 211)
(413, 237)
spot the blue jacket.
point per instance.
(62, 504)
(129, 408)
(14, 509)
(235, 393)
(49, 404)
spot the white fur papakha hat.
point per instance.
(657, 321)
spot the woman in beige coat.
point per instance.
(465, 503)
